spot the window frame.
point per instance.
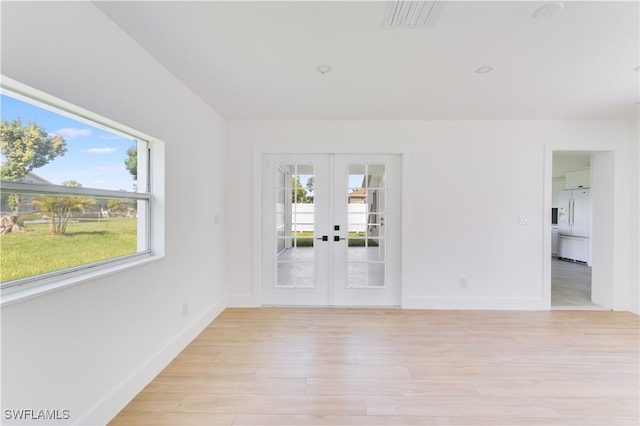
(150, 180)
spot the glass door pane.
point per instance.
(366, 193)
(295, 226)
(295, 223)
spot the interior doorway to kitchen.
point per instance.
(582, 199)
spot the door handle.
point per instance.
(337, 238)
(573, 212)
(323, 238)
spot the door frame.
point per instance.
(257, 222)
(603, 228)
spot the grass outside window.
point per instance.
(87, 240)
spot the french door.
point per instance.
(330, 230)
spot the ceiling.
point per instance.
(259, 60)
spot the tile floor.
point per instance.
(570, 285)
(365, 267)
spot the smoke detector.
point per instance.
(548, 10)
(409, 14)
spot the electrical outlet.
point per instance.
(185, 309)
(463, 282)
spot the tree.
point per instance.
(120, 206)
(298, 193)
(23, 149)
(72, 183)
(131, 162)
(59, 208)
(114, 205)
(310, 185)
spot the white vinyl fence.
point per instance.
(303, 217)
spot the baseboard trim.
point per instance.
(475, 303)
(243, 301)
(105, 410)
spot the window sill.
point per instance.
(38, 288)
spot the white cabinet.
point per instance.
(578, 179)
(574, 248)
(557, 185)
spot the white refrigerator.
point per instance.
(574, 224)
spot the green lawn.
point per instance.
(305, 239)
(34, 251)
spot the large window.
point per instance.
(76, 190)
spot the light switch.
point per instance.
(523, 220)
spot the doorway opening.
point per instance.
(570, 228)
(581, 228)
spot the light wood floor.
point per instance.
(316, 366)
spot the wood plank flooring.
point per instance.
(324, 366)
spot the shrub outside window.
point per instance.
(75, 191)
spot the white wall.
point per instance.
(91, 347)
(634, 250)
(603, 256)
(464, 186)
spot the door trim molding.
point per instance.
(600, 261)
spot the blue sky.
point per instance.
(94, 157)
(355, 182)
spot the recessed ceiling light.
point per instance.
(484, 70)
(548, 10)
(323, 69)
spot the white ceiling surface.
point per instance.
(258, 60)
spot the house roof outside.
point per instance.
(34, 178)
(358, 196)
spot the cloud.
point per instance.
(70, 132)
(104, 150)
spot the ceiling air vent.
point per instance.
(409, 14)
